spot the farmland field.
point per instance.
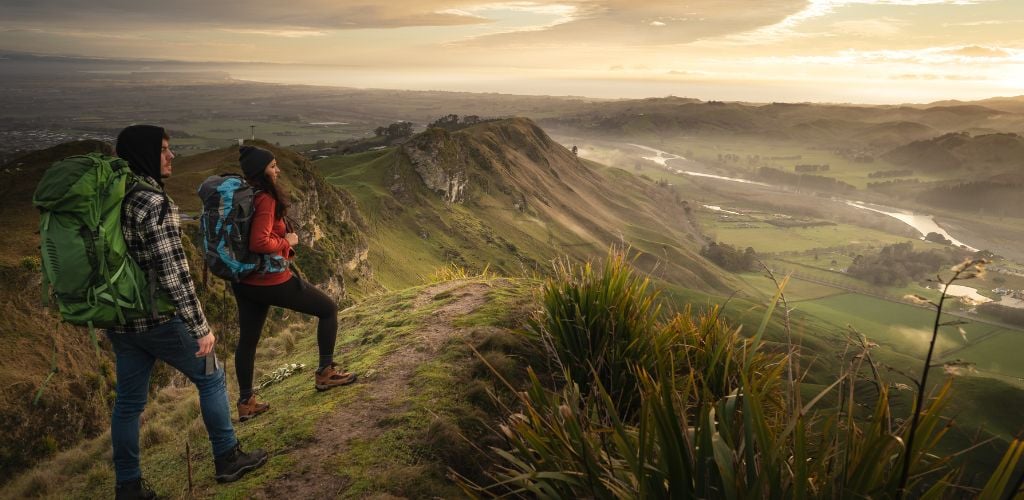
(905, 329)
(766, 238)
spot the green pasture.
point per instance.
(904, 329)
(796, 290)
(997, 354)
(766, 238)
(211, 134)
(348, 166)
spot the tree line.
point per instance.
(729, 257)
(898, 264)
(809, 181)
(997, 198)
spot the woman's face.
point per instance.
(272, 171)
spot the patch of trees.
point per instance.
(990, 197)
(453, 122)
(809, 181)
(894, 182)
(855, 156)
(811, 167)
(898, 264)
(1011, 315)
(729, 257)
(937, 238)
(882, 174)
(396, 130)
(798, 223)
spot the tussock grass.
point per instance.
(652, 405)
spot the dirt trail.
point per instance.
(315, 476)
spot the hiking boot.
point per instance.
(135, 489)
(236, 463)
(328, 377)
(250, 408)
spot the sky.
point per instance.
(860, 51)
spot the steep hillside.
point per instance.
(73, 406)
(503, 194)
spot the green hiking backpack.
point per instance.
(85, 258)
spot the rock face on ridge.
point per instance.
(499, 156)
(440, 161)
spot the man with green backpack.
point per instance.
(113, 257)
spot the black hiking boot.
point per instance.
(135, 489)
(236, 463)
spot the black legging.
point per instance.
(253, 304)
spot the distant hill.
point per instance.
(1008, 104)
(821, 124)
(986, 155)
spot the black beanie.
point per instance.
(140, 146)
(254, 160)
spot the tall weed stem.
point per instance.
(975, 266)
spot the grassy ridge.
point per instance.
(528, 203)
(413, 434)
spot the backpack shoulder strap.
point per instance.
(137, 184)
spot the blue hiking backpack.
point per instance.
(224, 226)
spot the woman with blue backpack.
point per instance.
(275, 285)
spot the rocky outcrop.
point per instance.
(440, 162)
(333, 247)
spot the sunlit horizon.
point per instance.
(836, 51)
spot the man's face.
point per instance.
(166, 156)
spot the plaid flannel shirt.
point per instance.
(159, 246)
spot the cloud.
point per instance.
(814, 9)
(627, 22)
(977, 51)
(932, 76)
(278, 33)
(869, 27)
(982, 23)
(963, 55)
(254, 14)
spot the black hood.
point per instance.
(140, 146)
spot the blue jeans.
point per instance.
(171, 343)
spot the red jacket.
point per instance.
(266, 236)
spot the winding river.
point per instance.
(924, 224)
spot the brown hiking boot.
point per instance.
(250, 408)
(329, 377)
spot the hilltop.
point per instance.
(503, 194)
